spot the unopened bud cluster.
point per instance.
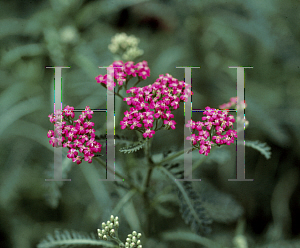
(125, 46)
(109, 229)
(133, 240)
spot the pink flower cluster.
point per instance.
(82, 134)
(152, 103)
(121, 70)
(216, 123)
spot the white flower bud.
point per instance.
(103, 225)
(112, 218)
(139, 235)
(113, 48)
(104, 237)
(134, 233)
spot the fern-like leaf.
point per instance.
(222, 207)
(134, 147)
(193, 212)
(263, 148)
(191, 206)
(72, 239)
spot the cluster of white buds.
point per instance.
(109, 229)
(125, 46)
(133, 240)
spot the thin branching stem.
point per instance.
(119, 175)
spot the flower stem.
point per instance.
(139, 80)
(147, 182)
(118, 174)
(116, 93)
(177, 154)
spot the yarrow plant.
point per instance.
(150, 109)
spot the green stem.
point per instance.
(119, 95)
(123, 201)
(118, 174)
(151, 165)
(139, 80)
(177, 154)
(147, 182)
(162, 125)
(148, 151)
(155, 125)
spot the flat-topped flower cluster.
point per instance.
(151, 103)
(122, 71)
(82, 134)
(217, 127)
(150, 106)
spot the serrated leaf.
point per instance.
(191, 207)
(263, 148)
(133, 148)
(221, 207)
(72, 239)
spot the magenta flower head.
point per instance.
(148, 133)
(69, 111)
(88, 112)
(215, 128)
(121, 71)
(170, 124)
(154, 102)
(82, 134)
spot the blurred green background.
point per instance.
(211, 34)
